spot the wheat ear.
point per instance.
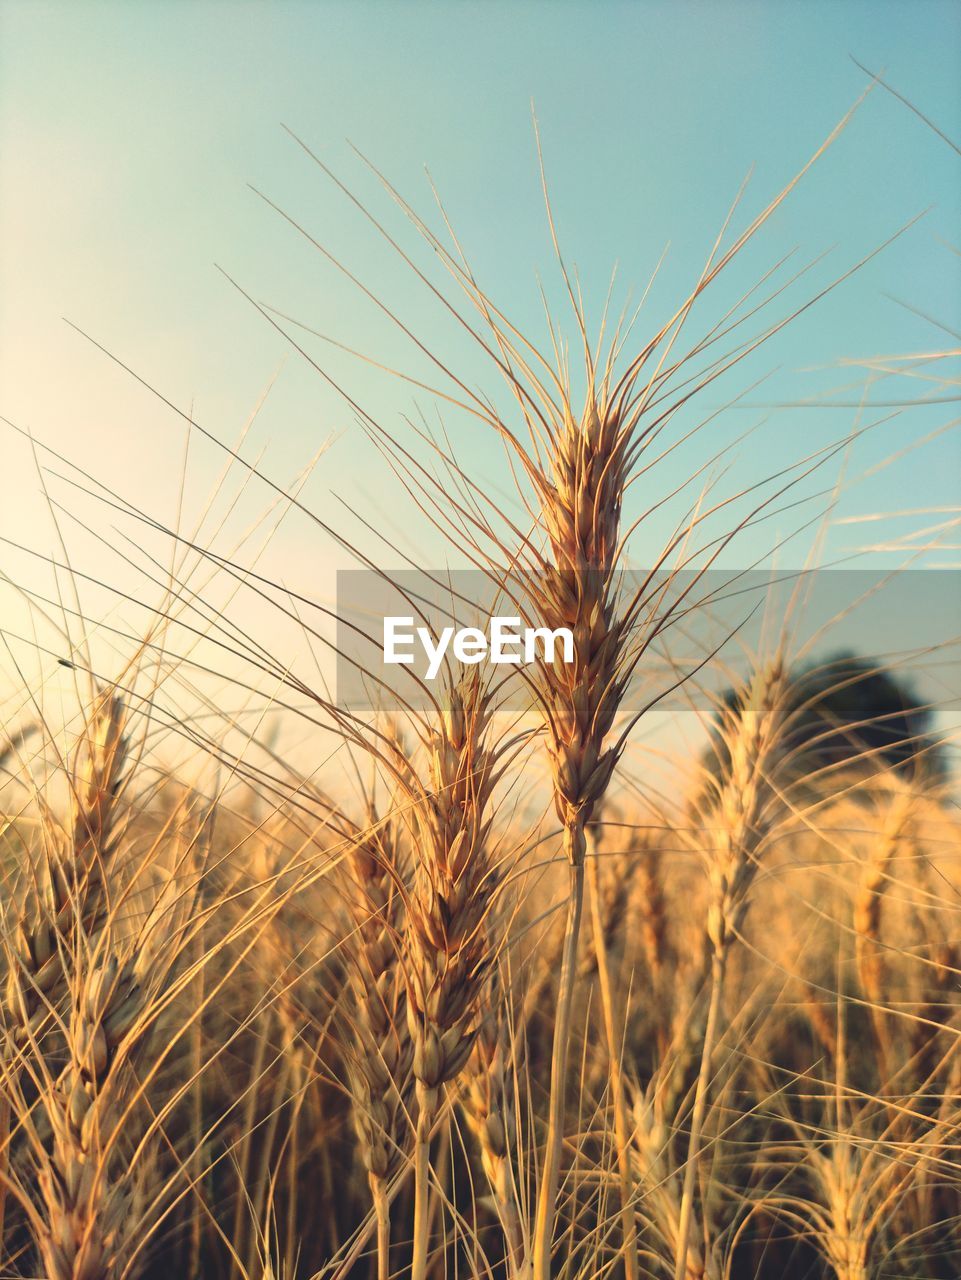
(71, 893)
(379, 1068)
(448, 946)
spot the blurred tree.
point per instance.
(847, 710)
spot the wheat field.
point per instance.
(491, 982)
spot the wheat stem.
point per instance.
(425, 1109)
(718, 965)
(381, 1204)
(550, 1174)
(621, 1132)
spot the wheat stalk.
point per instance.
(488, 1105)
(612, 1016)
(746, 803)
(68, 896)
(380, 1064)
(582, 491)
(660, 1185)
(448, 947)
(81, 996)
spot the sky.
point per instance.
(135, 137)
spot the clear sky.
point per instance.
(129, 133)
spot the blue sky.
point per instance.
(129, 134)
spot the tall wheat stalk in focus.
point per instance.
(580, 441)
